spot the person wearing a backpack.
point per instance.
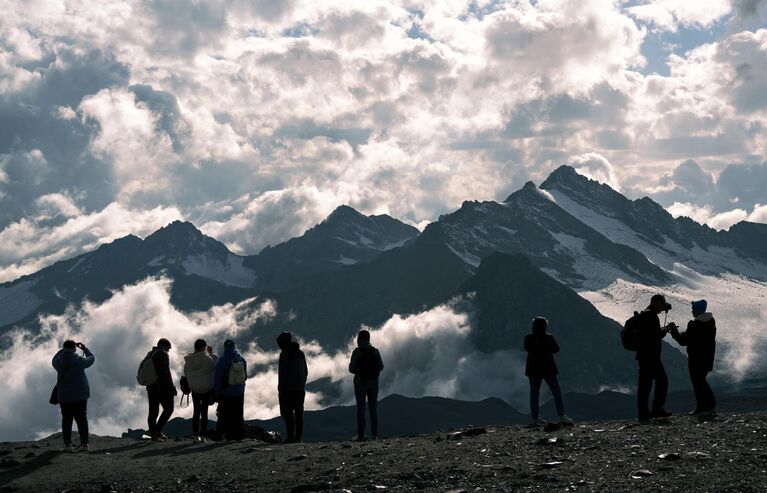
(700, 339)
(291, 384)
(73, 391)
(366, 365)
(199, 368)
(229, 390)
(541, 346)
(162, 392)
(650, 335)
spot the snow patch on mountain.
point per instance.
(739, 305)
(231, 272)
(17, 301)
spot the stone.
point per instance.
(551, 465)
(468, 432)
(641, 473)
(670, 456)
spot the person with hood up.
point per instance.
(199, 368)
(162, 392)
(73, 391)
(700, 339)
(229, 390)
(290, 386)
(366, 365)
(541, 346)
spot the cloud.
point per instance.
(597, 168)
(721, 220)
(669, 15)
(32, 243)
(424, 354)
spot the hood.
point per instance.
(704, 317)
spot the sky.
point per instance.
(255, 119)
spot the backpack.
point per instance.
(368, 364)
(147, 374)
(630, 333)
(184, 384)
(237, 374)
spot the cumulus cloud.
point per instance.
(597, 168)
(720, 220)
(669, 15)
(32, 243)
(429, 353)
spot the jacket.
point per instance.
(650, 336)
(360, 353)
(164, 385)
(700, 339)
(199, 368)
(292, 369)
(540, 349)
(222, 367)
(73, 387)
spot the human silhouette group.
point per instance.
(221, 380)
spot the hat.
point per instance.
(699, 306)
(659, 298)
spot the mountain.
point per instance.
(646, 226)
(331, 306)
(530, 222)
(203, 270)
(509, 292)
(400, 416)
(344, 238)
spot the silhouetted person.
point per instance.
(648, 357)
(199, 368)
(162, 392)
(540, 366)
(290, 386)
(229, 389)
(366, 365)
(73, 391)
(700, 339)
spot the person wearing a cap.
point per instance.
(162, 392)
(700, 339)
(291, 386)
(648, 357)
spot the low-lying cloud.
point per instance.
(429, 353)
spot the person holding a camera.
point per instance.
(650, 336)
(73, 391)
(700, 339)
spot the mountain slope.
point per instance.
(510, 292)
(344, 238)
(529, 222)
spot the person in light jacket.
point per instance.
(199, 368)
(73, 391)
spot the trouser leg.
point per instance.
(661, 386)
(204, 405)
(286, 411)
(167, 403)
(66, 421)
(372, 396)
(196, 413)
(238, 417)
(154, 410)
(299, 410)
(535, 391)
(81, 418)
(359, 396)
(556, 391)
(644, 387)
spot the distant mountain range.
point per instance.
(572, 235)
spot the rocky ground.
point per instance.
(726, 453)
